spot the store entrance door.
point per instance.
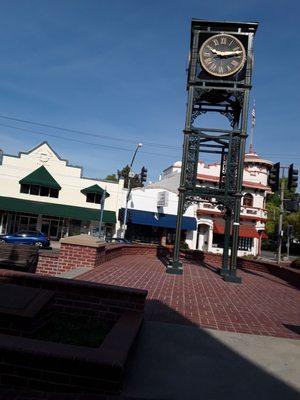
(51, 227)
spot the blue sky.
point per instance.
(117, 68)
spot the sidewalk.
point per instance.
(182, 362)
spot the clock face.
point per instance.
(222, 55)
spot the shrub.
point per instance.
(184, 246)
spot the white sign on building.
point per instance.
(162, 199)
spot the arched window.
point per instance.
(248, 200)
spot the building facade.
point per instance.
(39, 190)
(152, 214)
(209, 234)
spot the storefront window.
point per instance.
(39, 190)
(44, 191)
(34, 189)
(53, 193)
(245, 243)
(93, 198)
(25, 188)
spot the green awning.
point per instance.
(94, 189)
(55, 210)
(40, 177)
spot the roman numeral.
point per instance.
(228, 68)
(220, 70)
(236, 48)
(223, 40)
(206, 54)
(234, 63)
(215, 42)
(208, 61)
(213, 67)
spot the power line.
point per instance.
(108, 137)
(284, 155)
(84, 142)
(85, 133)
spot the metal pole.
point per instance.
(225, 258)
(126, 208)
(175, 266)
(128, 191)
(280, 233)
(288, 247)
(237, 205)
(101, 212)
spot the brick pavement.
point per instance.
(262, 304)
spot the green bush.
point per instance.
(250, 257)
(184, 246)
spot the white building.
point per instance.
(152, 214)
(39, 190)
(209, 233)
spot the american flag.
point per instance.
(253, 115)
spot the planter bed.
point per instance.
(66, 336)
(28, 363)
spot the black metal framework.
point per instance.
(230, 97)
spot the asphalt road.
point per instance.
(270, 255)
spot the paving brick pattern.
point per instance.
(262, 304)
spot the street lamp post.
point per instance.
(102, 202)
(128, 190)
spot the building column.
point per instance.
(210, 238)
(1, 223)
(39, 222)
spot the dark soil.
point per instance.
(73, 330)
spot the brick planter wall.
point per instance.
(48, 263)
(288, 274)
(28, 363)
(73, 256)
(81, 297)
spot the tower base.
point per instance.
(175, 268)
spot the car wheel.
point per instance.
(2, 241)
(38, 244)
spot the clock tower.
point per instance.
(219, 81)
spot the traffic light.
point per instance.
(292, 177)
(290, 231)
(144, 172)
(273, 178)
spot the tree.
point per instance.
(273, 219)
(294, 220)
(112, 177)
(273, 208)
(135, 181)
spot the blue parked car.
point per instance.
(35, 238)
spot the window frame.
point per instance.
(39, 190)
(248, 198)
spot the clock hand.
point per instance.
(229, 53)
(213, 50)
